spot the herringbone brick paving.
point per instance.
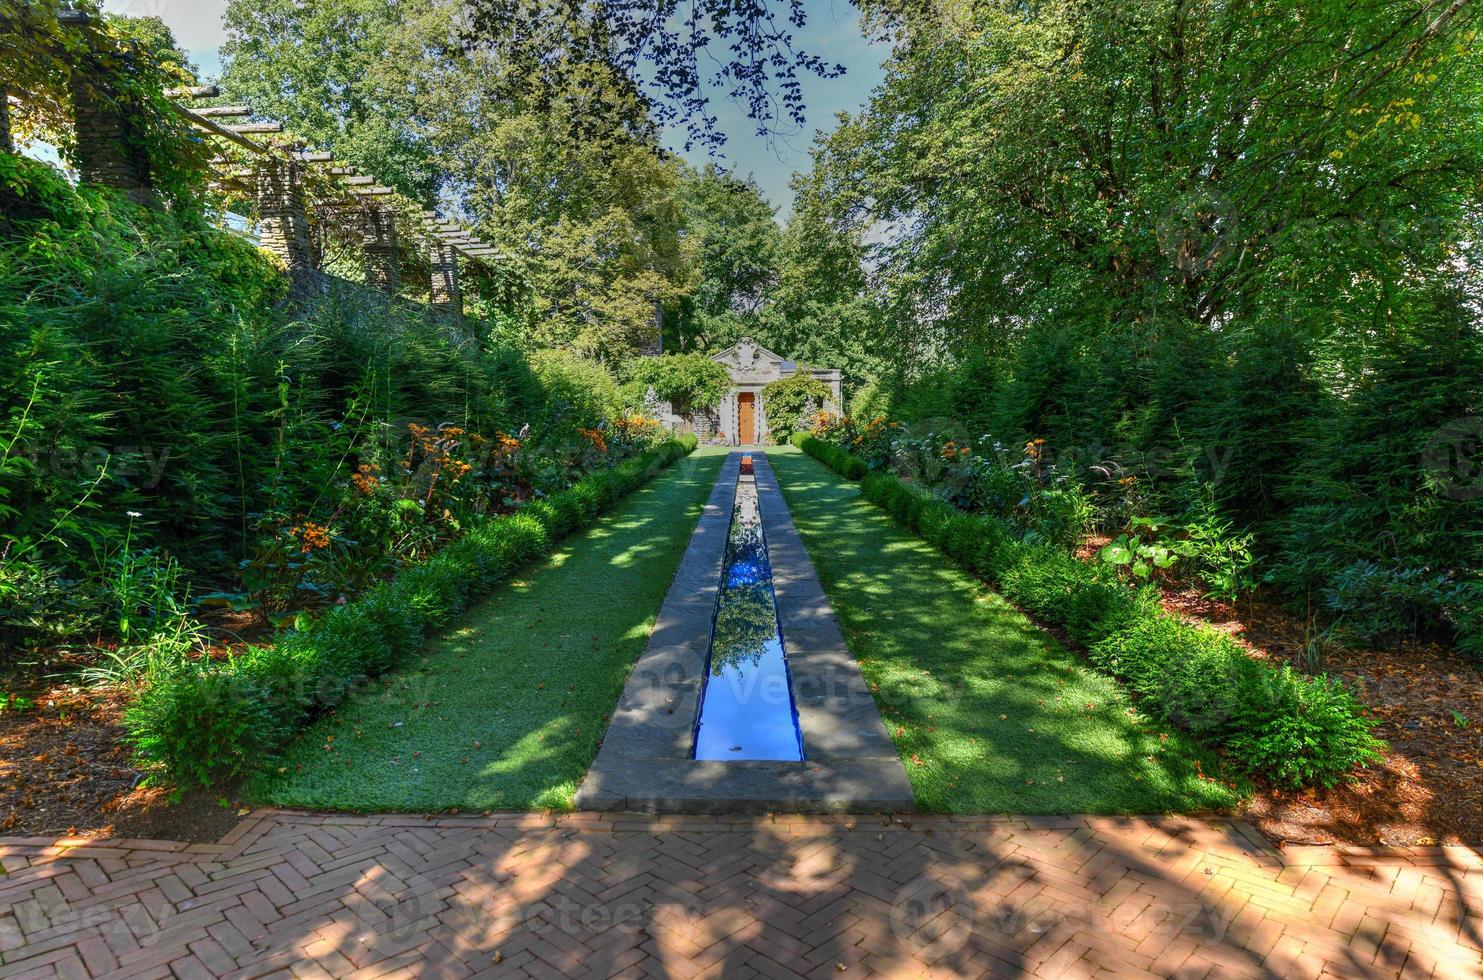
(292, 894)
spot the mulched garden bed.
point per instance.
(65, 770)
(1429, 701)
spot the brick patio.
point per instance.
(293, 894)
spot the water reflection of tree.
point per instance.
(744, 625)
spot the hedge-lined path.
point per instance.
(506, 708)
(290, 894)
(990, 713)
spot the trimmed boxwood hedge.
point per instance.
(1292, 729)
(831, 455)
(210, 721)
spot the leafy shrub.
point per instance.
(686, 381)
(1375, 600)
(1294, 730)
(579, 390)
(205, 722)
(789, 401)
(1297, 730)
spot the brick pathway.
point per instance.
(295, 894)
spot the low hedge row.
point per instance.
(210, 721)
(832, 456)
(1292, 729)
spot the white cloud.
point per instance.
(196, 23)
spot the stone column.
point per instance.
(283, 222)
(447, 296)
(6, 144)
(651, 344)
(379, 242)
(107, 153)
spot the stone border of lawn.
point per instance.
(644, 763)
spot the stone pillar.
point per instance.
(651, 344)
(283, 222)
(447, 295)
(379, 242)
(107, 153)
(6, 144)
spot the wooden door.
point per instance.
(746, 415)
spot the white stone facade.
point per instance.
(752, 368)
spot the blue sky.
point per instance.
(833, 32)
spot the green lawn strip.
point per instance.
(990, 713)
(506, 709)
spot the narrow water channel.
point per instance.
(746, 707)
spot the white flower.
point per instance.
(134, 513)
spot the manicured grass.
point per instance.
(507, 708)
(990, 713)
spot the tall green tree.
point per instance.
(737, 246)
(1243, 233)
(549, 150)
(342, 74)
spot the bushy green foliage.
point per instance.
(210, 724)
(788, 400)
(150, 366)
(1309, 348)
(579, 390)
(685, 380)
(1292, 729)
(207, 721)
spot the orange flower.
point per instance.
(594, 436)
(312, 537)
(365, 479)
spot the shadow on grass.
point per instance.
(990, 713)
(507, 708)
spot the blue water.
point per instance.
(746, 705)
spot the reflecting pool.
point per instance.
(746, 706)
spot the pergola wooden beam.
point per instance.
(211, 126)
(192, 92)
(224, 111)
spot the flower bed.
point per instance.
(1275, 723)
(208, 721)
